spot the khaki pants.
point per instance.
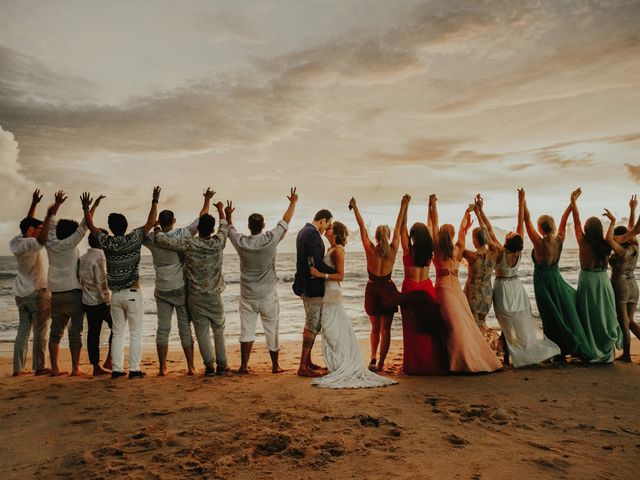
(207, 313)
(166, 303)
(33, 312)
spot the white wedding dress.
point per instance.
(526, 342)
(341, 349)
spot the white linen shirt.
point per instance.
(63, 258)
(32, 272)
(168, 264)
(92, 272)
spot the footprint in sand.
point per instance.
(456, 440)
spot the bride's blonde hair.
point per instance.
(383, 232)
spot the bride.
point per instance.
(341, 349)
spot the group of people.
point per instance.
(444, 327)
(104, 284)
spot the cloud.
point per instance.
(226, 26)
(13, 183)
(26, 80)
(634, 171)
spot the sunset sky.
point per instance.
(340, 98)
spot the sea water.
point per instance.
(291, 309)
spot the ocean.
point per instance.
(292, 313)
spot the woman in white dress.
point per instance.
(341, 350)
(526, 343)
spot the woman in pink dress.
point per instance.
(422, 331)
(466, 347)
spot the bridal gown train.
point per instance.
(341, 350)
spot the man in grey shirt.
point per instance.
(170, 291)
(258, 282)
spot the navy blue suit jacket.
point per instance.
(309, 244)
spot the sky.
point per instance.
(339, 98)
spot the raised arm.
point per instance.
(615, 246)
(633, 203)
(465, 223)
(35, 200)
(85, 199)
(153, 211)
(60, 198)
(208, 195)
(577, 223)
(364, 234)
(520, 226)
(531, 231)
(485, 223)
(293, 200)
(433, 210)
(404, 232)
(401, 222)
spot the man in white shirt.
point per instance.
(170, 292)
(258, 283)
(92, 272)
(31, 294)
(62, 239)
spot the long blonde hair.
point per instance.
(383, 232)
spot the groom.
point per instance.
(310, 252)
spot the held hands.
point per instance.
(352, 203)
(406, 198)
(60, 197)
(293, 196)
(609, 215)
(521, 195)
(208, 195)
(156, 195)
(228, 210)
(479, 202)
(36, 197)
(432, 199)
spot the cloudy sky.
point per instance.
(340, 98)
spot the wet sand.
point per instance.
(546, 422)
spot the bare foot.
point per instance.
(624, 358)
(277, 369)
(21, 373)
(306, 372)
(76, 373)
(98, 370)
(108, 365)
(42, 371)
(57, 373)
(313, 366)
(242, 371)
(163, 372)
(380, 367)
(192, 371)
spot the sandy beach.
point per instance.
(545, 422)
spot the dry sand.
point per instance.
(547, 422)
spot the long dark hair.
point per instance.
(594, 237)
(420, 245)
(445, 241)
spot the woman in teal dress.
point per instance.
(555, 298)
(595, 299)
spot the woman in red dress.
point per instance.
(422, 330)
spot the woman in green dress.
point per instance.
(595, 298)
(555, 298)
